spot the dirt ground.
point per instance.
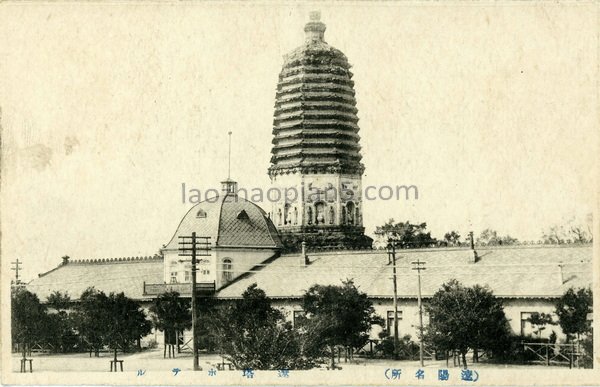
(153, 360)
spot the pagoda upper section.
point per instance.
(315, 126)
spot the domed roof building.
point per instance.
(316, 148)
(240, 234)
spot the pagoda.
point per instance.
(316, 162)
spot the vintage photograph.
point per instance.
(321, 193)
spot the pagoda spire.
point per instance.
(315, 28)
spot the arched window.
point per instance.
(331, 214)
(309, 213)
(343, 215)
(201, 213)
(227, 270)
(279, 217)
(357, 216)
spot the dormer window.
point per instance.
(243, 215)
(201, 213)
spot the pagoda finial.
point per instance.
(315, 28)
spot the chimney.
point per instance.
(65, 259)
(305, 261)
(475, 257)
(315, 29)
(560, 274)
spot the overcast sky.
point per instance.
(106, 109)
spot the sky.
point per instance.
(490, 110)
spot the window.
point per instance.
(173, 277)
(187, 276)
(527, 328)
(227, 270)
(299, 318)
(201, 213)
(390, 321)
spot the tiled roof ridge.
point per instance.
(441, 249)
(103, 261)
(115, 260)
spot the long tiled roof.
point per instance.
(109, 275)
(509, 272)
(519, 272)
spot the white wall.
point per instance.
(409, 323)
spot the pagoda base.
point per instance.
(322, 238)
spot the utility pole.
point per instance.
(418, 268)
(189, 246)
(17, 267)
(392, 257)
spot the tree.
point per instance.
(171, 314)
(463, 318)
(572, 231)
(126, 322)
(572, 310)
(114, 320)
(452, 238)
(250, 333)
(59, 301)
(89, 318)
(555, 235)
(28, 318)
(60, 330)
(406, 235)
(341, 314)
(489, 237)
(539, 321)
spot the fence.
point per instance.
(555, 354)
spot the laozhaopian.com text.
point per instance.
(291, 194)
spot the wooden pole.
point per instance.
(395, 303)
(418, 268)
(194, 307)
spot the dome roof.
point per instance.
(230, 221)
(315, 124)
